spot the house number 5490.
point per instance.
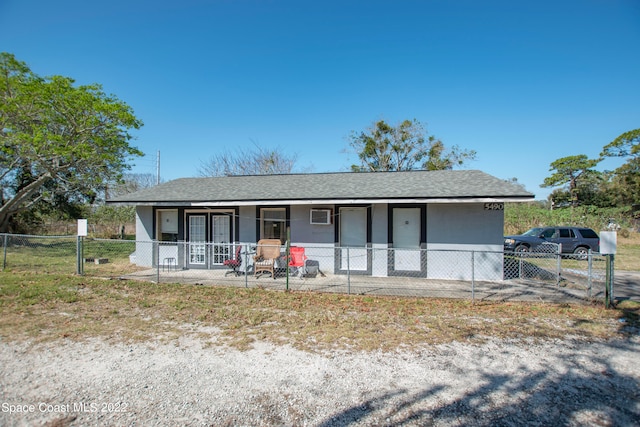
(494, 206)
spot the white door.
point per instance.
(353, 238)
(220, 238)
(406, 239)
(197, 239)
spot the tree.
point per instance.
(626, 181)
(58, 141)
(130, 183)
(118, 217)
(626, 184)
(626, 145)
(404, 147)
(259, 161)
(114, 217)
(571, 170)
(591, 189)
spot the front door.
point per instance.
(353, 239)
(197, 241)
(220, 238)
(406, 239)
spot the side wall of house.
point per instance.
(454, 232)
(144, 236)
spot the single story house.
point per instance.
(198, 221)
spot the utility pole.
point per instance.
(158, 169)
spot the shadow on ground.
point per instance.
(566, 395)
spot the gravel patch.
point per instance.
(193, 383)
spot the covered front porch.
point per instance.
(570, 290)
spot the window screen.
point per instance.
(273, 224)
(168, 226)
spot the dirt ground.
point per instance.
(190, 383)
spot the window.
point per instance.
(167, 226)
(273, 223)
(566, 233)
(320, 216)
(549, 233)
(587, 233)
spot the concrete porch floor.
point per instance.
(507, 290)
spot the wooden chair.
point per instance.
(267, 252)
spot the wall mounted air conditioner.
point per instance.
(320, 216)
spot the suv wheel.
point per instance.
(522, 248)
(581, 252)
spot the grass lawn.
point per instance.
(628, 253)
(43, 307)
(59, 255)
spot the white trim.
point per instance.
(227, 203)
(354, 201)
(327, 219)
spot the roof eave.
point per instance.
(350, 201)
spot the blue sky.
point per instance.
(523, 83)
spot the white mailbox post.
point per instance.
(82, 233)
(608, 244)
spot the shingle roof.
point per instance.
(459, 184)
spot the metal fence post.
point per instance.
(246, 265)
(348, 272)
(608, 287)
(473, 277)
(158, 261)
(287, 255)
(79, 256)
(589, 273)
(558, 265)
(520, 261)
(611, 279)
(5, 246)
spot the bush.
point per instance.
(519, 217)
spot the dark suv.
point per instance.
(575, 240)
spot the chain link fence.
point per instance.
(545, 275)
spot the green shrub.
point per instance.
(519, 217)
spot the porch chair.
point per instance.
(297, 261)
(234, 263)
(267, 252)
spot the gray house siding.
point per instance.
(467, 228)
(247, 223)
(144, 223)
(304, 232)
(445, 230)
(441, 211)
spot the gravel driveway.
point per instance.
(186, 383)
